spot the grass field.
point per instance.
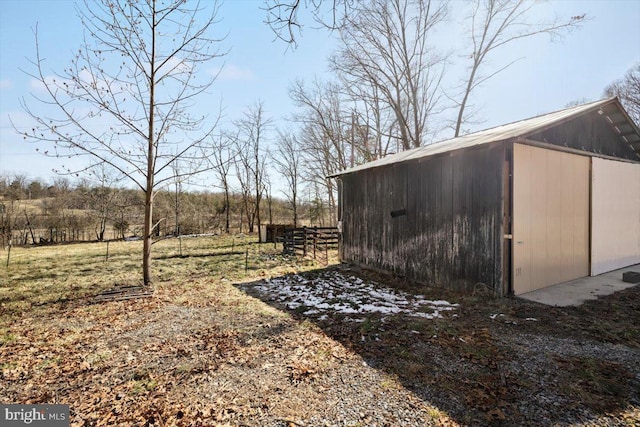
(219, 343)
(43, 276)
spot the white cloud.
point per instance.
(176, 66)
(6, 84)
(233, 72)
(36, 85)
(19, 118)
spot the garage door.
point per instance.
(615, 223)
(550, 217)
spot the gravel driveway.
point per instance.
(470, 360)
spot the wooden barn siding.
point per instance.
(451, 234)
(591, 133)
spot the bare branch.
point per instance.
(283, 16)
(496, 23)
(387, 47)
(125, 99)
(627, 89)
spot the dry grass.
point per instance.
(57, 345)
(204, 352)
(45, 276)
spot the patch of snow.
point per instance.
(444, 303)
(435, 315)
(333, 292)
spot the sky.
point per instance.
(547, 77)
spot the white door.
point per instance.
(615, 215)
(550, 217)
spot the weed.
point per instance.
(599, 384)
(390, 383)
(99, 357)
(143, 386)
(301, 309)
(6, 337)
(49, 362)
(369, 325)
(435, 413)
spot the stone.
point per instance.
(631, 277)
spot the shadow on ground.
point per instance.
(480, 359)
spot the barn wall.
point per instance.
(590, 132)
(447, 229)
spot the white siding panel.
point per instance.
(615, 213)
(550, 217)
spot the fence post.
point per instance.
(326, 251)
(304, 245)
(315, 241)
(9, 253)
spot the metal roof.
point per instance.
(616, 116)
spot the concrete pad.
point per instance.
(577, 291)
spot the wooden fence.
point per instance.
(310, 241)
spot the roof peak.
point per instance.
(498, 133)
(580, 107)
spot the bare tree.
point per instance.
(326, 136)
(127, 203)
(17, 187)
(288, 160)
(244, 177)
(373, 124)
(252, 132)
(101, 198)
(268, 194)
(223, 153)
(11, 205)
(627, 89)
(5, 223)
(387, 46)
(178, 181)
(494, 24)
(125, 100)
(283, 15)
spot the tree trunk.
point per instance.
(148, 191)
(295, 211)
(33, 237)
(227, 207)
(465, 98)
(147, 238)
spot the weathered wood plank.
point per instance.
(450, 235)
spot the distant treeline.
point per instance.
(32, 212)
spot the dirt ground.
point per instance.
(334, 346)
(497, 360)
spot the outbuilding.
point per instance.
(514, 208)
